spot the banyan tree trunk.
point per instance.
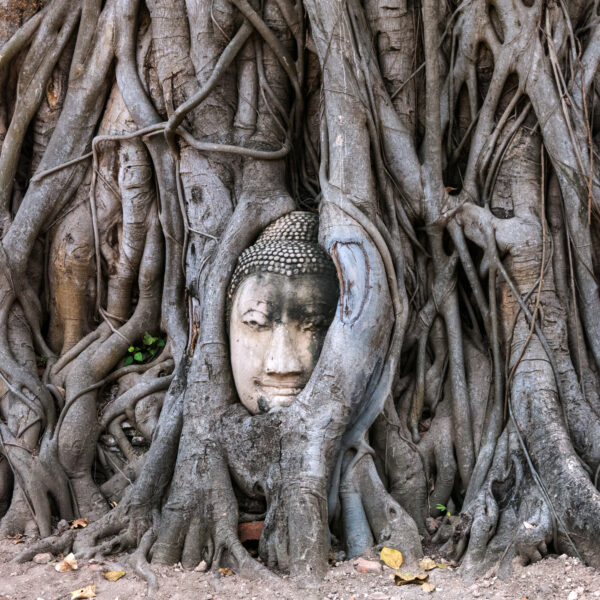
(450, 150)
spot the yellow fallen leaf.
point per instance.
(428, 587)
(80, 523)
(406, 578)
(426, 564)
(114, 575)
(392, 558)
(226, 572)
(68, 563)
(442, 566)
(89, 591)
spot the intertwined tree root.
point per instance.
(451, 153)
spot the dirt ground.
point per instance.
(553, 578)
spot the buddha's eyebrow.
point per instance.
(254, 309)
(316, 304)
(252, 303)
(316, 308)
(257, 305)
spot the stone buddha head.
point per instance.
(282, 298)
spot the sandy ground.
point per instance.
(553, 578)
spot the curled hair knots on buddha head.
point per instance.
(289, 246)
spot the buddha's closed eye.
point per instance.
(315, 323)
(255, 319)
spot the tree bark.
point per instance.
(450, 151)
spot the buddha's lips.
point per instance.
(288, 388)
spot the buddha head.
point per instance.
(282, 298)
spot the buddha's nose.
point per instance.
(282, 355)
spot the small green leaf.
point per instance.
(128, 360)
(160, 343)
(440, 507)
(149, 339)
(152, 351)
(131, 349)
(138, 357)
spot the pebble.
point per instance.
(368, 566)
(42, 559)
(201, 568)
(572, 596)
(379, 596)
(62, 525)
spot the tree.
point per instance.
(450, 149)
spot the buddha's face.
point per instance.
(277, 328)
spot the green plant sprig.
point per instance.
(149, 347)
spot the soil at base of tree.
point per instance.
(559, 578)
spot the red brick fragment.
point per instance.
(250, 531)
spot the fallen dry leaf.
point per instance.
(226, 572)
(528, 525)
(68, 563)
(406, 578)
(17, 539)
(443, 565)
(392, 558)
(80, 523)
(114, 575)
(89, 591)
(426, 564)
(428, 587)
